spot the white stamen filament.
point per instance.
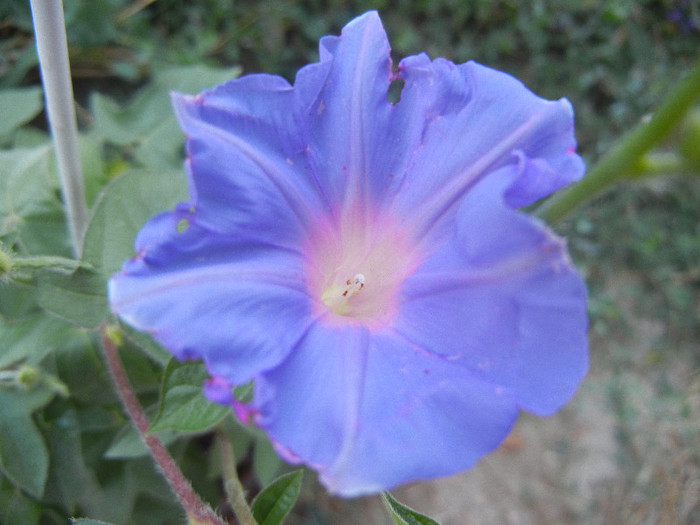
(354, 285)
(339, 296)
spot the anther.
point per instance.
(354, 285)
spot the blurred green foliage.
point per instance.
(611, 58)
(65, 447)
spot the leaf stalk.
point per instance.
(621, 161)
(197, 511)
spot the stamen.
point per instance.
(354, 285)
(337, 253)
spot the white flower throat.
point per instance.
(355, 266)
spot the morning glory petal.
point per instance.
(366, 395)
(364, 262)
(247, 160)
(236, 290)
(321, 381)
(503, 300)
(347, 130)
(465, 122)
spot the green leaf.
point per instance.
(31, 213)
(403, 515)
(28, 137)
(86, 521)
(69, 477)
(93, 166)
(17, 507)
(128, 443)
(122, 209)
(148, 122)
(192, 79)
(147, 345)
(183, 407)
(97, 419)
(277, 499)
(19, 106)
(266, 462)
(78, 297)
(18, 300)
(153, 508)
(25, 60)
(24, 458)
(31, 339)
(124, 484)
(80, 367)
(144, 374)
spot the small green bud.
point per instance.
(5, 262)
(114, 334)
(28, 376)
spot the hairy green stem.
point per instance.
(622, 159)
(234, 489)
(48, 261)
(52, 48)
(197, 511)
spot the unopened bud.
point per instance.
(5, 262)
(28, 376)
(114, 334)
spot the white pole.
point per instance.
(52, 47)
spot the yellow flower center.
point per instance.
(355, 267)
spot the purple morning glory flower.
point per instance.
(365, 262)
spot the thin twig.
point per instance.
(197, 511)
(132, 9)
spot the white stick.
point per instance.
(50, 31)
